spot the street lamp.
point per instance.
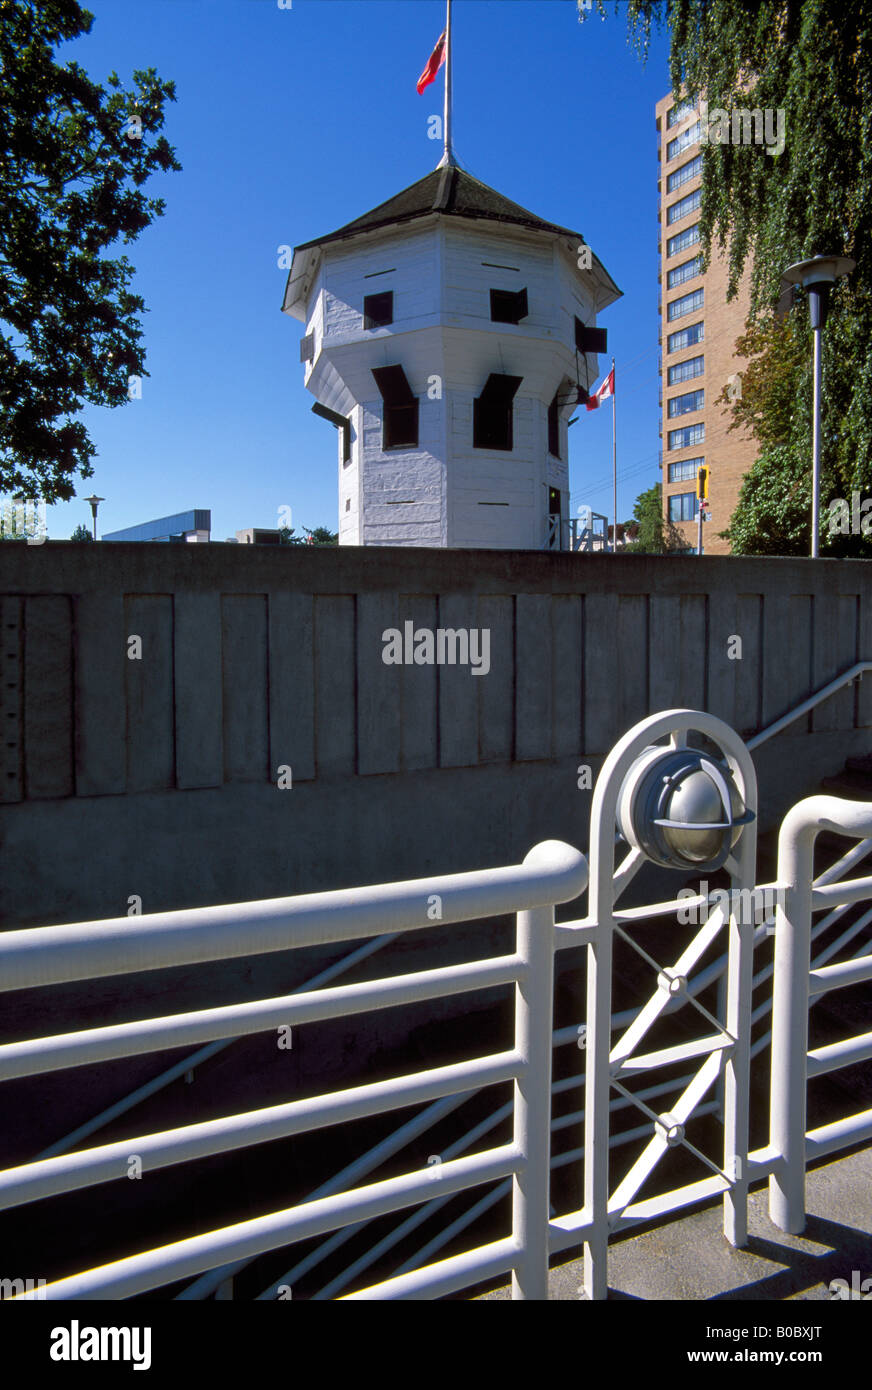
(817, 275)
(95, 502)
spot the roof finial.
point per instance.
(448, 152)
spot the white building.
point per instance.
(448, 338)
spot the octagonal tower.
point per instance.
(449, 336)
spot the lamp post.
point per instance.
(95, 502)
(818, 276)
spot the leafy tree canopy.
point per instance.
(321, 535)
(73, 160)
(808, 62)
(654, 536)
(81, 533)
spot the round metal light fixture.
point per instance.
(681, 808)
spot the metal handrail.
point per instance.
(561, 1037)
(190, 1063)
(551, 873)
(792, 1064)
(853, 673)
(93, 950)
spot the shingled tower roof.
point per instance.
(451, 191)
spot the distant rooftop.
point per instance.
(195, 524)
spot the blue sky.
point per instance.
(290, 122)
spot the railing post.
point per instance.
(597, 1084)
(788, 1086)
(534, 1011)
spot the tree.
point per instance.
(809, 63)
(321, 535)
(73, 159)
(81, 533)
(654, 535)
(773, 514)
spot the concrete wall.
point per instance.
(158, 777)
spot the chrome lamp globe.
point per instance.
(681, 808)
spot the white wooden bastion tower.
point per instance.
(449, 336)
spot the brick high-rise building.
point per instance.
(698, 332)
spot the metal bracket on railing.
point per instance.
(673, 985)
(670, 1130)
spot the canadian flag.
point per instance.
(607, 389)
(434, 63)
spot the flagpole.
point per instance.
(614, 456)
(448, 152)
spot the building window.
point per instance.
(685, 471)
(682, 506)
(678, 113)
(589, 339)
(554, 426)
(684, 438)
(682, 240)
(689, 203)
(492, 413)
(688, 304)
(686, 271)
(683, 175)
(400, 429)
(683, 141)
(378, 309)
(686, 337)
(508, 306)
(686, 371)
(686, 404)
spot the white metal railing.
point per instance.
(551, 873)
(792, 1063)
(208, 1282)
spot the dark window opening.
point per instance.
(554, 426)
(341, 423)
(307, 348)
(508, 306)
(589, 339)
(493, 411)
(378, 309)
(400, 421)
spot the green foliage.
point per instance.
(812, 61)
(81, 533)
(654, 536)
(70, 181)
(321, 535)
(773, 515)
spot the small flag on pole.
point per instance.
(607, 389)
(434, 63)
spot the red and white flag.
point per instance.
(607, 389)
(434, 63)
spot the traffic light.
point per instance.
(702, 482)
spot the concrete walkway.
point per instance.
(689, 1259)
